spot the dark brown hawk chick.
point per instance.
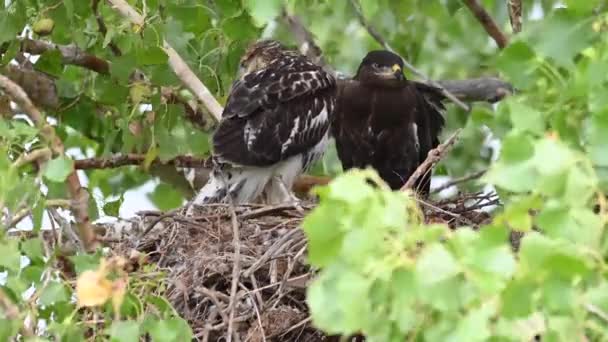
(387, 122)
(275, 125)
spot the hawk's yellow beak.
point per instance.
(396, 68)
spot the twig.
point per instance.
(265, 211)
(277, 247)
(433, 158)
(78, 194)
(236, 270)
(138, 159)
(459, 180)
(515, 13)
(374, 33)
(487, 22)
(305, 39)
(39, 155)
(179, 66)
(213, 296)
(103, 30)
(597, 311)
(70, 54)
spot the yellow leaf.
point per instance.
(93, 289)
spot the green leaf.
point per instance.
(324, 244)
(552, 157)
(112, 208)
(435, 264)
(151, 55)
(37, 213)
(58, 169)
(85, 262)
(124, 331)
(582, 6)
(369, 8)
(166, 197)
(10, 257)
(122, 67)
(33, 249)
(516, 61)
(263, 11)
(526, 118)
(54, 292)
(330, 299)
(50, 62)
(9, 329)
(561, 36)
(517, 299)
(172, 329)
(12, 22)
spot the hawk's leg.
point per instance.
(288, 194)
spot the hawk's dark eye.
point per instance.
(375, 65)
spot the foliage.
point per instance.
(382, 270)
(110, 304)
(389, 276)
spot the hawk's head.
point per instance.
(259, 54)
(381, 66)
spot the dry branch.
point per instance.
(487, 22)
(515, 14)
(138, 159)
(459, 180)
(179, 66)
(432, 158)
(305, 39)
(374, 33)
(78, 194)
(70, 54)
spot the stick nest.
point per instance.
(251, 285)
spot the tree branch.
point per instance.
(138, 159)
(434, 156)
(103, 30)
(78, 194)
(308, 47)
(374, 33)
(179, 66)
(515, 13)
(70, 54)
(487, 22)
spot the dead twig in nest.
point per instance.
(236, 269)
(456, 181)
(434, 156)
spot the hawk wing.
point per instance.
(275, 113)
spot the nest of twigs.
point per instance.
(243, 271)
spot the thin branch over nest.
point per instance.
(487, 22)
(138, 159)
(434, 156)
(515, 14)
(179, 66)
(79, 195)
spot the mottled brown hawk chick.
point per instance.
(274, 127)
